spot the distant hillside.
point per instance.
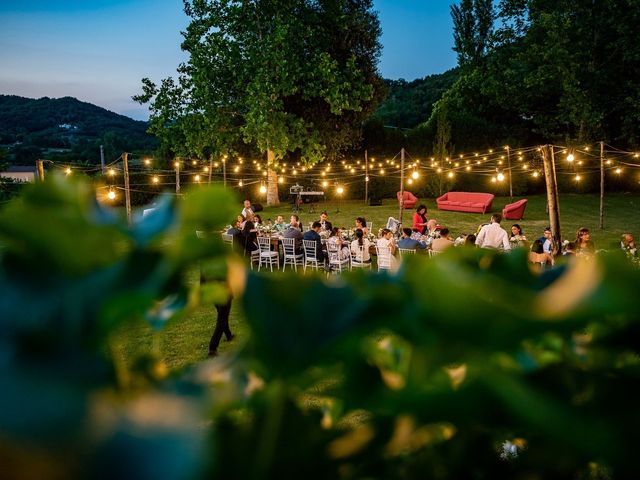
(409, 104)
(33, 126)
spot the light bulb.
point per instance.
(111, 195)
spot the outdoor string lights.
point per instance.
(579, 163)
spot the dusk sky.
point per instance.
(98, 50)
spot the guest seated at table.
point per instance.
(628, 245)
(325, 224)
(279, 225)
(548, 245)
(569, 249)
(584, 245)
(295, 220)
(538, 256)
(314, 234)
(460, 239)
(257, 220)
(237, 227)
(362, 224)
(432, 231)
(386, 242)
(442, 243)
(408, 242)
(293, 231)
(470, 241)
(493, 235)
(420, 219)
(361, 256)
(249, 237)
(517, 238)
(336, 239)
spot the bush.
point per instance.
(467, 365)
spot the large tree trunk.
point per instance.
(272, 180)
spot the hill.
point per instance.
(32, 127)
(408, 104)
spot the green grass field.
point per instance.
(185, 341)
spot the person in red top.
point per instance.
(420, 219)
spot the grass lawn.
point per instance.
(185, 341)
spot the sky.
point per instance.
(99, 50)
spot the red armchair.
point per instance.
(514, 211)
(409, 200)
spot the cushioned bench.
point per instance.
(465, 202)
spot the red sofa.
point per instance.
(465, 202)
(409, 200)
(514, 211)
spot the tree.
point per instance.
(472, 30)
(295, 78)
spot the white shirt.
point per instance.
(547, 246)
(246, 212)
(493, 236)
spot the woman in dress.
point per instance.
(420, 219)
(386, 242)
(517, 238)
(584, 245)
(361, 223)
(360, 248)
(249, 237)
(336, 239)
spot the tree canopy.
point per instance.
(537, 71)
(291, 77)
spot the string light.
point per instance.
(618, 170)
(67, 170)
(176, 164)
(263, 189)
(240, 183)
(325, 184)
(112, 172)
(111, 195)
(339, 190)
(577, 178)
(155, 180)
(570, 157)
(197, 178)
(450, 175)
(415, 175)
(281, 180)
(500, 177)
(147, 162)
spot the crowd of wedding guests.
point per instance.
(424, 235)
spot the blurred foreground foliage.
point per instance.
(466, 366)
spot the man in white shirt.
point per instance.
(493, 235)
(247, 211)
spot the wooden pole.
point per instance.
(509, 167)
(177, 176)
(224, 172)
(210, 167)
(102, 158)
(366, 178)
(401, 184)
(127, 192)
(40, 169)
(553, 200)
(601, 185)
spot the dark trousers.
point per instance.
(222, 325)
